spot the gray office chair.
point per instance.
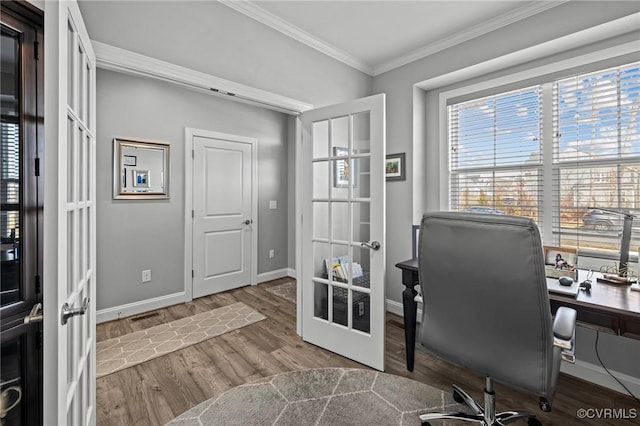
(486, 308)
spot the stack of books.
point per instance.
(341, 269)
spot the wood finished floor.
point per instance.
(156, 391)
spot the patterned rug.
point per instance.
(134, 348)
(326, 396)
(286, 291)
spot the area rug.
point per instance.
(134, 348)
(326, 396)
(286, 291)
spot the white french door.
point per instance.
(223, 185)
(343, 229)
(70, 218)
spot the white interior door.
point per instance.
(343, 229)
(222, 213)
(70, 217)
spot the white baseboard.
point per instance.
(396, 308)
(598, 375)
(135, 308)
(582, 370)
(273, 275)
(117, 312)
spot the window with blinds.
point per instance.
(10, 182)
(496, 154)
(496, 162)
(596, 162)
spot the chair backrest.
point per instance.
(486, 305)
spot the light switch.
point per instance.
(273, 204)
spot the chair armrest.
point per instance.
(564, 324)
(564, 333)
(418, 290)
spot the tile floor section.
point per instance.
(134, 348)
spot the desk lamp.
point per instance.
(625, 244)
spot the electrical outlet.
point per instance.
(146, 275)
(273, 204)
(272, 253)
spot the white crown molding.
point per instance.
(124, 61)
(469, 34)
(267, 18)
(572, 41)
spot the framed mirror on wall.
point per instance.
(140, 169)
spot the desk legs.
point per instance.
(410, 307)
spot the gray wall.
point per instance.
(137, 235)
(406, 200)
(209, 37)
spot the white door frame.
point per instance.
(189, 134)
(298, 224)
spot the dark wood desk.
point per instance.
(607, 307)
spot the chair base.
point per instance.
(485, 416)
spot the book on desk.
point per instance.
(554, 286)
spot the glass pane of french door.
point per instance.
(80, 181)
(10, 170)
(341, 204)
(69, 244)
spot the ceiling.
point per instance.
(377, 36)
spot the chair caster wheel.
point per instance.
(534, 422)
(457, 397)
(545, 405)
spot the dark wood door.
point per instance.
(21, 213)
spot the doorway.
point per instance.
(21, 226)
(223, 210)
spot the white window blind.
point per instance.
(10, 179)
(496, 162)
(496, 154)
(596, 157)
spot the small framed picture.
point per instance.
(129, 160)
(343, 170)
(560, 262)
(141, 178)
(394, 166)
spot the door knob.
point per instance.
(247, 222)
(35, 315)
(373, 245)
(68, 312)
